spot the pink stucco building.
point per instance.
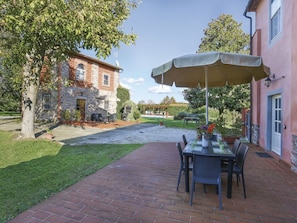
(274, 108)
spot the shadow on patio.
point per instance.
(141, 187)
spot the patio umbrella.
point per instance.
(211, 69)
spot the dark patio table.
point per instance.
(195, 147)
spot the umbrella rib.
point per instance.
(206, 93)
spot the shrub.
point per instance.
(136, 114)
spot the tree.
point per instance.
(41, 33)
(172, 100)
(165, 101)
(124, 95)
(168, 101)
(10, 88)
(224, 35)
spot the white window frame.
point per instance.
(275, 18)
(106, 79)
(80, 72)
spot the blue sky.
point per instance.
(166, 29)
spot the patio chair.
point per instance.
(182, 163)
(185, 140)
(239, 165)
(207, 170)
(185, 144)
(234, 149)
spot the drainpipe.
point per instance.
(251, 52)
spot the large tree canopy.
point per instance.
(37, 32)
(224, 35)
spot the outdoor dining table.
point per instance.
(195, 147)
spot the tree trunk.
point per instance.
(30, 90)
(29, 102)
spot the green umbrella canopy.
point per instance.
(211, 69)
(221, 69)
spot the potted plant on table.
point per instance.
(205, 132)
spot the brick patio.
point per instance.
(141, 187)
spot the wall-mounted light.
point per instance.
(268, 80)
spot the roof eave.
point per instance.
(252, 5)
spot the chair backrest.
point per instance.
(180, 152)
(185, 140)
(236, 145)
(207, 169)
(214, 137)
(241, 155)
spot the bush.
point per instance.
(136, 114)
(77, 115)
(66, 115)
(181, 115)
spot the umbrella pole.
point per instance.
(206, 94)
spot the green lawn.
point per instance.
(169, 122)
(33, 170)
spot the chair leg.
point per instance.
(220, 195)
(243, 184)
(192, 192)
(178, 181)
(237, 179)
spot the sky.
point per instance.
(166, 29)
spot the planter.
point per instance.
(205, 142)
(230, 139)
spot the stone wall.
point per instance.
(255, 134)
(294, 154)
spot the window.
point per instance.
(80, 72)
(105, 79)
(46, 101)
(275, 18)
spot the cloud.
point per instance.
(126, 86)
(160, 89)
(133, 81)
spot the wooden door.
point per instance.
(81, 106)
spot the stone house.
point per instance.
(274, 101)
(81, 84)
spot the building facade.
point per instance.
(274, 101)
(81, 84)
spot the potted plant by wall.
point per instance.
(66, 116)
(229, 134)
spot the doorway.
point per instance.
(276, 123)
(81, 106)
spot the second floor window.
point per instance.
(275, 18)
(105, 79)
(80, 72)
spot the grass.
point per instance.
(33, 170)
(10, 113)
(169, 122)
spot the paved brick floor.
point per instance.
(141, 187)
